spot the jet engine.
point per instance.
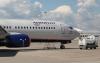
(17, 40)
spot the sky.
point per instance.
(83, 14)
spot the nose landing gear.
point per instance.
(62, 46)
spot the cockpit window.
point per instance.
(71, 27)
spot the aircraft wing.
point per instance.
(3, 33)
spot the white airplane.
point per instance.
(20, 32)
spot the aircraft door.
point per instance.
(63, 29)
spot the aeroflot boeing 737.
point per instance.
(20, 32)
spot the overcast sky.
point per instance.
(83, 14)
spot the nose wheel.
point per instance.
(62, 46)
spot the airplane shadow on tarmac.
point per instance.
(13, 52)
(8, 53)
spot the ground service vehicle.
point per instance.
(90, 41)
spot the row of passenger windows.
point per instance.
(28, 27)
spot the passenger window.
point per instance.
(4, 27)
(9, 27)
(41, 28)
(54, 28)
(27, 27)
(33, 27)
(15, 27)
(46, 27)
(38, 27)
(24, 27)
(21, 27)
(30, 27)
(49, 28)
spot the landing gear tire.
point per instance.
(81, 48)
(62, 46)
(86, 48)
(94, 47)
(90, 47)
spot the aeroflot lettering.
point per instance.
(36, 23)
(39, 23)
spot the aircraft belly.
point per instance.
(47, 35)
(51, 36)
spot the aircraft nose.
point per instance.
(77, 33)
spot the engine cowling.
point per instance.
(17, 40)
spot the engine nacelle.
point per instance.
(17, 40)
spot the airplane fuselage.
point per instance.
(40, 30)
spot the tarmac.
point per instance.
(39, 53)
